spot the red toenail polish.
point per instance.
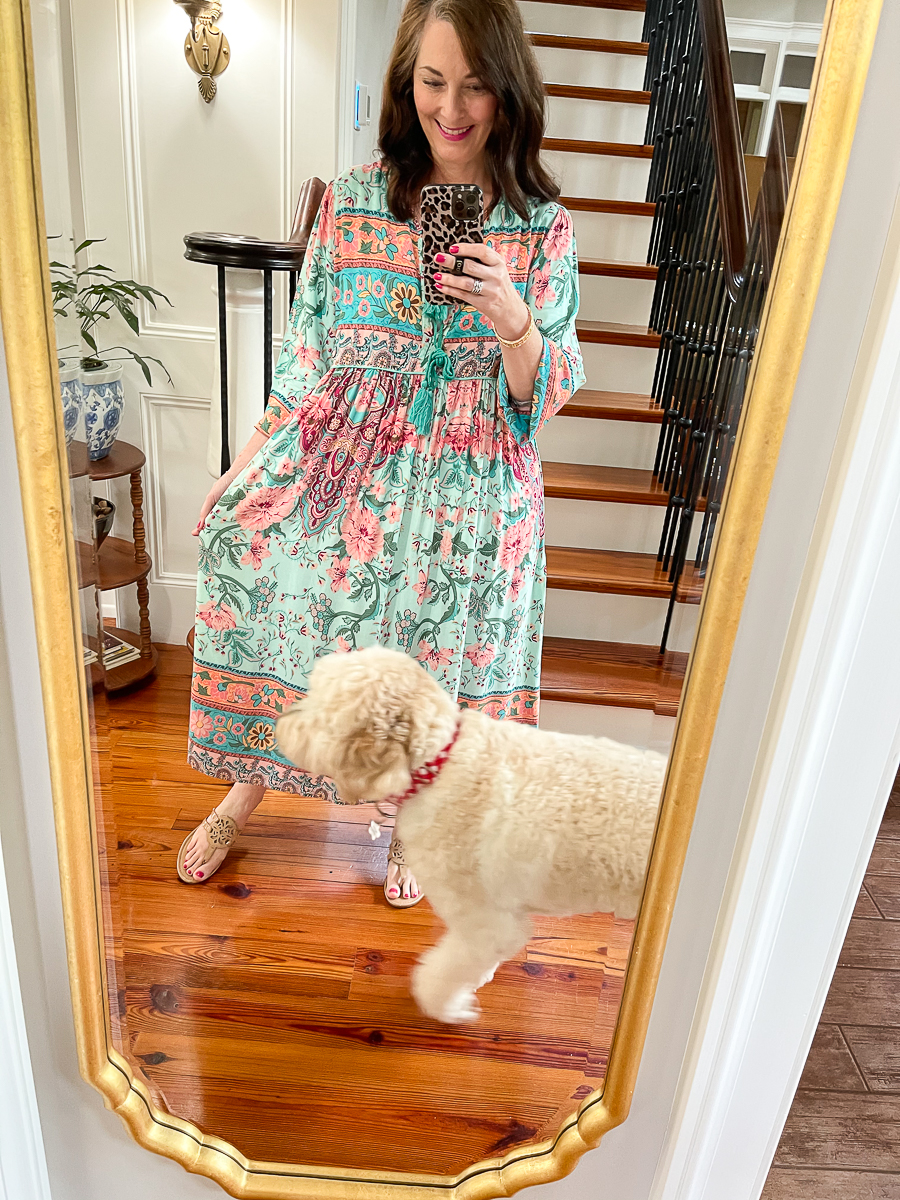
(199, 874)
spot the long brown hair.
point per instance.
(496, 49)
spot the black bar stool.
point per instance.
(251, 254)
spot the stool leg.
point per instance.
(223, 370)
(267, 337)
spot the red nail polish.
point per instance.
(439, 258)
(438, 275)
(439, 286)
(199, 874)
(453, 249)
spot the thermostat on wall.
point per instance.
(362, 107)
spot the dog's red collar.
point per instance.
(427, 773)
(421, 777)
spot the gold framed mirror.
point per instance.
(31, 352)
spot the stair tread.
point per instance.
(626, 270)
(623, 485)
(610, 149)
(620, 572)
(565, 41)
(616, 485)
(614, 333)
(614, 673)
(577, 91)
(613, 406)
(626, 208)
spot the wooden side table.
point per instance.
(121, 562)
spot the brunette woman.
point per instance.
(392, 493)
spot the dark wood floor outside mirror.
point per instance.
(259, 1027)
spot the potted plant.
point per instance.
(92, 383)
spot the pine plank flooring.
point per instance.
(271, 1005)
(842, 1136)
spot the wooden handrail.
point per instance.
(731, 177)
(772, 201)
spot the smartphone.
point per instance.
(451, 213)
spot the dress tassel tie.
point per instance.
(437, 367)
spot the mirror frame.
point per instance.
(27, 321)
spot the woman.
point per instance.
(392, 493)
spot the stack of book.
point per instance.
(116, 652)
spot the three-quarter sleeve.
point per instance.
(552, 295)
(304, 357)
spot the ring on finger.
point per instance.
(477, 287)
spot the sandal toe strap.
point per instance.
(221, 830)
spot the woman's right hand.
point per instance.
(212, 499)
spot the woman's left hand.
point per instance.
(498, 300)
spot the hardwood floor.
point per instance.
(271, 1005)
(842, 1136)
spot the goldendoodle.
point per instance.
(515, 821)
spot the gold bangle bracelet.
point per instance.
(519, 341)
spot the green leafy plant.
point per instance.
(95, 294)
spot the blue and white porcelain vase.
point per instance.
(70, 393)
(103, 398)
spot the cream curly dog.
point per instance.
(518, 821)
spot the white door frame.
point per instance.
(23, 1167)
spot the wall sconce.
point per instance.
(205, 47)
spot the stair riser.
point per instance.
(612, 237)
(639, 727)
(603, 23)
(615, 298)
(598, 525)
(561, 65)
(599, 175)
(618, 368)
(595, 120)
(602, 617)
(599, 443)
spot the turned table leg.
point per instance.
(140, 556)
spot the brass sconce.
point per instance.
(206, 46)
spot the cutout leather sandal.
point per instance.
(395, 854)
(221, 832)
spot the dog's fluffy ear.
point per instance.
(375, 763)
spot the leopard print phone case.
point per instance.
(451, 213)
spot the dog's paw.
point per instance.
(461, 1008)
(430, 994)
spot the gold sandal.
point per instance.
(395, 854)
(221, 832)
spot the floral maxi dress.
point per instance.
(398, 499)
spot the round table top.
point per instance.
(123, 459)
(250, 253)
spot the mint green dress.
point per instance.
(398, 500)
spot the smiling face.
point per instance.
(455, 108)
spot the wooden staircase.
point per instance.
(624, 674)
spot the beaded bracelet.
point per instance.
(519, 341)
